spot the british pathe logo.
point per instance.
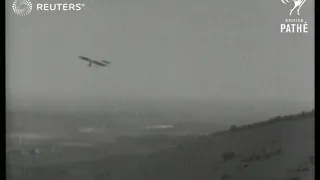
(22, 7)
(297, 5)
(294, 24)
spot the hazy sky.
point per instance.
(162, 49)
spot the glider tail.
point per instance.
(105, 62)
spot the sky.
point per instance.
(165, 49)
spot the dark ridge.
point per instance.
(234, 128)
(274, 120)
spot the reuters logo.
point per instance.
(22, 7)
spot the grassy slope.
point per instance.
(276, 149)
(293, 136)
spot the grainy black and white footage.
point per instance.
(160, 90)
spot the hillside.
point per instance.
(281, 148)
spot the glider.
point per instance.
(103, 63)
